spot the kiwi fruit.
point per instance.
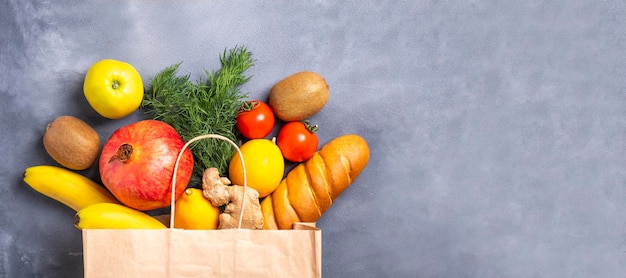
(299, 96)
(71, 142)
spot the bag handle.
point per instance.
(180, 154)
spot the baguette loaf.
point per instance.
(310, 188)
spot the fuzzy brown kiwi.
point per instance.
(71, 142)
(299, 96)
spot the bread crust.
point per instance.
(311, 187)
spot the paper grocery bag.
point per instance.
(175, 252)
(197, 253)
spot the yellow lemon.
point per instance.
(193, 211)
(265, 166)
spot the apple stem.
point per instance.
(116, 84)
(124, 152)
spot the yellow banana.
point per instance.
(68, 187)
(114, 216)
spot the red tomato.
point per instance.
(297, 141)
(255, 119)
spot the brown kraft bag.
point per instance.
(176, 252)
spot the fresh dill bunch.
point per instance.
(208, 106)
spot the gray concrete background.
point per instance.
(496, 127)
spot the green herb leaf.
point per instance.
(207, 106)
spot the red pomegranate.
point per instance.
(137, 164)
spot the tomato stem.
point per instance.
(312, 128)
(248, 105)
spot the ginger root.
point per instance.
(219, 191)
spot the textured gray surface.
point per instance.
(496, 127)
